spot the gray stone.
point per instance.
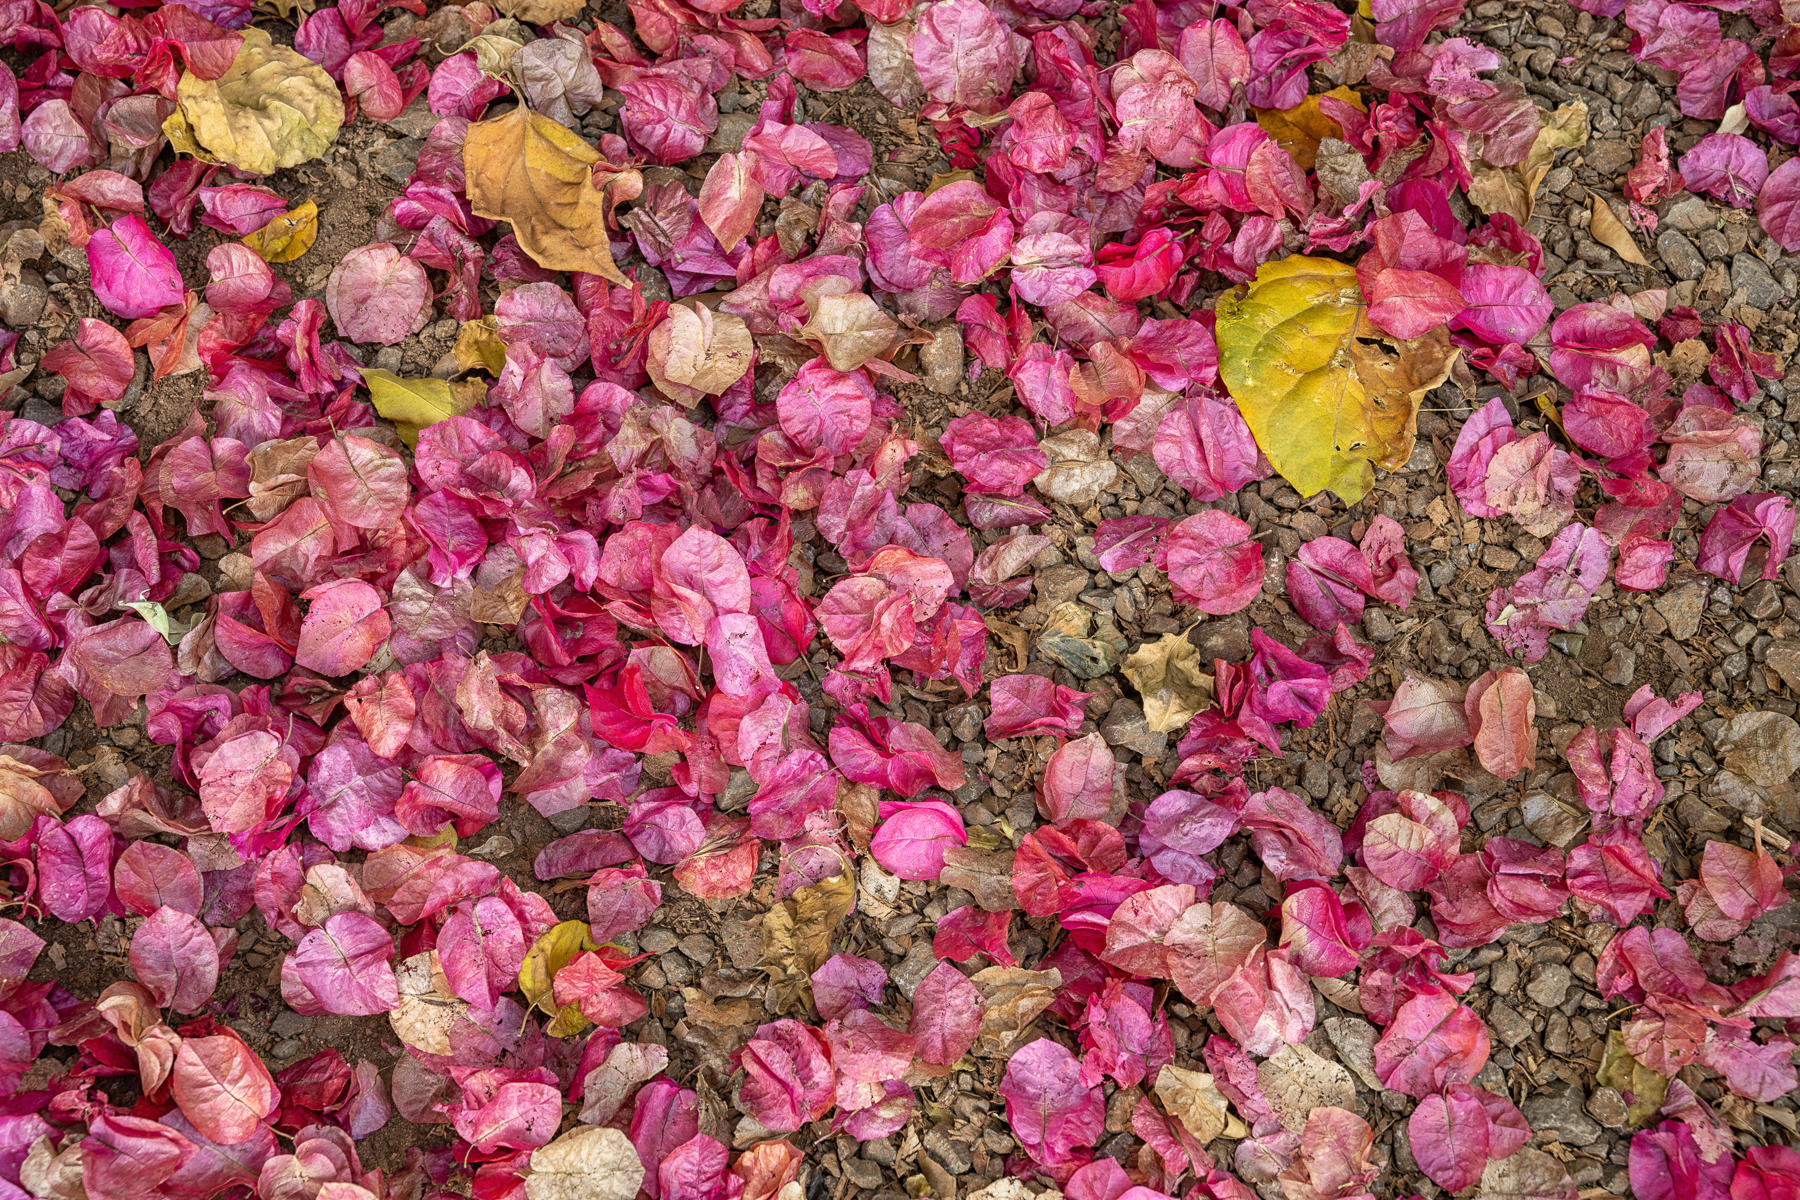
(699, 948)
(1125, 727)
(1378, 625)
(657, 940)
(1750, 275)
(1784, 659)
(1679, 255)
(1549, 984)
(1506, 1021)
(950, 1153)
(1315, 777)
(397, 160)
(1608, 1107)
(729, 137)
(1691, 213)
(1761, 601)
(864, 1174)
(1059, 584)
(1559, 1112)
(965, 722)
(1505, 977)
(914, 967)
(1621, 667)
(1682, 607)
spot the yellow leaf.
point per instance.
(552, 952)
(288, 236)
(412, 404)
(1610, 232)
(478, 344)
(1513, 190)
(1327, 394)
(1300, 129)
(1618, 1069)
(796, 935)
(1170, 679)
(272, 108)
(530, 171)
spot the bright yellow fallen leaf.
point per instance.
(478, 344)
(412, 404)
(272, 108)
(530, 171)
(1327, 394)
(552, 952)
(288, 236)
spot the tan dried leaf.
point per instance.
(527, 170)
(588, 1163)
(1296, 1081)
(1610, 232)
(1171, 680)
(542, 12)
(1014, 998)
(697, 352)
(428, 1008)
(272, 108)
(1192, 1098)
(850, 328)
(1080, 468)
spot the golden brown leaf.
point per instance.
(1014, 998)
(850, 328)
(552, 952)
(1300, 129)
(527, 170)
(1610, 232)
(697, 352)
(1192, 1098)
(1327, 394)
(478, 345)
(796, 936)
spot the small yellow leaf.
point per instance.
(530, 171)
(1618, 1069)
(1328, 396)
(552, 952)
(272, 108)
(288, 236)
(479, 345)
(1300, 129)
(412, 404)
(1610, 232)
(1170, 679)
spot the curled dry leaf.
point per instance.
(1170, 679)
(1610, 232)
(796, 934)
(527, 170)
(850, 328)
(1327, 394)
(589, 1163)
(697, 352)
(1192, 1098)
(1513, 189)
(288, 236)
(273, 108)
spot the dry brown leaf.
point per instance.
(697, 352)
(1080, 468)
(527, 170)
(1192, 1098)
(591, 1162)
(1171, 680)
(850, 328)
(1513, 190)
(1014, 998)
(1610, 232)
(796, 936)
